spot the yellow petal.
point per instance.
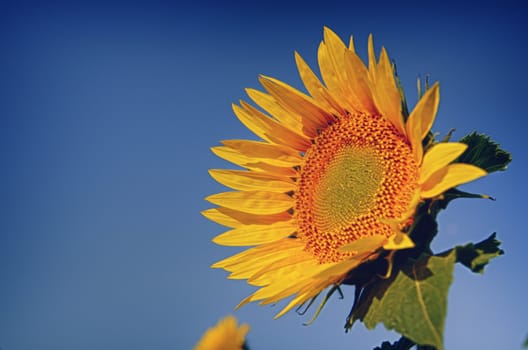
(308, 290)
(299, 300)
(281, 156)
(365, 244)
(227, 334)
(398, 241)
(333, 41)
(246, 269)
(251, 181)
(411, 208)
(296, 102)
(269, 129)
(453, 175)
(259, 165)
(286, 281)
(217, 216)
(254, 202)
(336, 53)
(360, 95)
(234, 218)
(332, 82)
(438, 156)
(351, 44)
(421, 119)
(281, 275)
(316, 88)
(387, 96)
(265, 253)
(277, 111)
(293, 259)
(337, 271)
(255, 234)
(305, 290)
(243, 302)
(331, 56)
(372, 59)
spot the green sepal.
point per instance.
(477, 256)
(455, 193)
(484, 153)
(412, 302)
(403, 100)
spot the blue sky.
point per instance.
(107, 113)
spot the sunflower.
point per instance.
(225, 335)
(336, 178)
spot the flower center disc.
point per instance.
(347, 188)
(359, 171)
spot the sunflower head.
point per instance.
(225, 335)
(336, 177)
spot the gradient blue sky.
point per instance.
(107, 113)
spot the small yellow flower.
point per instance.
(335, 179)
(226, 335)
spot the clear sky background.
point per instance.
(107, 113)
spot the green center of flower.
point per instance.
(347, 188)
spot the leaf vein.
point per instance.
(424, 308)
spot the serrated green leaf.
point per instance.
(413, 303)
(476, 256)
(484, 153)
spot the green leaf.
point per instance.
(476, 256)
(413, 302)
(484, 153)
(402, 344)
